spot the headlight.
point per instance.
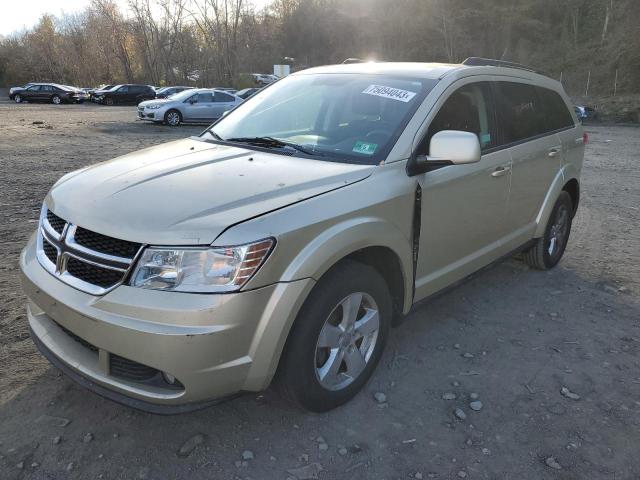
(200, 270)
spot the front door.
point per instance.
(199, 107)
(463, 207)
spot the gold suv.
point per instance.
(283, 241)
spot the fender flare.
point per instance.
(566, 173)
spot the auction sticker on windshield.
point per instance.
(365, 148)
(389, 92)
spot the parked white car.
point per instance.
(202, 105)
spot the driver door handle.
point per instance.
(500, 171)
(554, 152)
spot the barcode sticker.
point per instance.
(389, 92)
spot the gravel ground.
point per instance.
(515, 374)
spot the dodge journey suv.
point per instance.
(285, 240)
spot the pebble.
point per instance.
(486, 451)
(455, 383)
(462, 474)
(467, 355)
(56, 440)
(323, 447)
(418, 475)
(380, 397)
(20, 465)
(342, 451)
(553, 314)
(247, 455)
(35, 465)
(476, 406)
(474, 396)
(460, 414)
(552, 463)
(456, 346)
(449, 396)
(569, 394)
(70, 466)
(303, 457)
(87, 438)
(190, 445)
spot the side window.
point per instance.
(34, 88)
(520, 113)
(468, 109)
(123, 89)
(223, 97)
(556, 114)
(205, 97)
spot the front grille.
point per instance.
(50, 251)
(100, 276)
(81, 341)
(55, 221)
(90, 261)
(103, 244)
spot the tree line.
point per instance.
(591, 44)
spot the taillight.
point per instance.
(585, 138)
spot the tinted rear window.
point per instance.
(556, 114)
(520, 113)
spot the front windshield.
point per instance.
(345, 117)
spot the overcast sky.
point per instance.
(14, 17)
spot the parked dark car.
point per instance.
(247, 92)
(50, 93)
(129, 94)
(166, 92)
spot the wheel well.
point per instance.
(573, 189)
(387, 264)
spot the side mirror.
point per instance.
(447, 147)
(192, 101)
(225, 112)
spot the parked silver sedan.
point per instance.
(202, 105)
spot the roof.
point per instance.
(434, 71)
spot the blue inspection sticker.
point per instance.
(365, 148)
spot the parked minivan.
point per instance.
(286, 239)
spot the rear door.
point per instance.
(223, 103)
(536, 152)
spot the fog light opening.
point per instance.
(170, 379)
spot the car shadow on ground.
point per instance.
(511, 335)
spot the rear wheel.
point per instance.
(548, 250)
(337, 339)
(173, 118)
(56, 100)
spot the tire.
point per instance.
(108, 101)
(17, 98)
(305, 375)
(56, 100)
(173, 118)
(548, 250)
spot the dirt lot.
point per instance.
(513, 336)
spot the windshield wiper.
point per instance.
(271, 142)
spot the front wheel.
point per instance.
(337, 339)
(17, 99)
(548, 250)
(173, 118)
(108, 101)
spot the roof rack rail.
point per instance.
(489, 62)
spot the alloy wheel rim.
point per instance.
(347, 341)
(173, 119)
(558, 232)
(17, 98)
(56, 100)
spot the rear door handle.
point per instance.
(500, 171)
(553, 152)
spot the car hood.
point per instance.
(155, 101)
(189, 191)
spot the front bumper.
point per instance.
(214, 345)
